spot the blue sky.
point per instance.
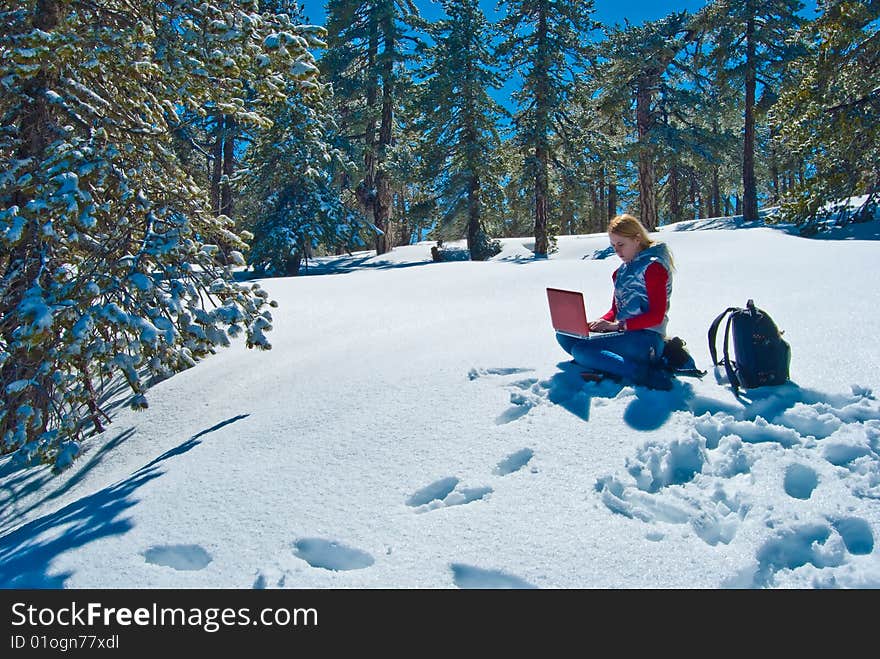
(607, 11)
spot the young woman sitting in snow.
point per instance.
(638, 314)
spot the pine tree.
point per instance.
(415, 207)
(828, 117)
(698, 133)
(293, 205)
(636, 68)
(107, 243)
(589, 157)
(546, 43)
(756, 37)
(458, 122)
(218, 135)
(368, 44)
(588, 165)
(513, 216)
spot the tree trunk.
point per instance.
(292, 264)
(226, 202)
(366, 189)
(596, 207)
(382, 209)
(675, 209)
(750, 185)
(222, 170)
(542, 152)
(474, 225)
(645, 122)
(567, 220)
(774, 167)
(382, 212)
(612, 201)
(216, 165)
(777, 190)
(716, 193)
(407, 230)
(542, 242)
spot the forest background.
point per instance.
(155, 156)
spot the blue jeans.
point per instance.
(628, 355)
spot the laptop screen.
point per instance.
(567, 312)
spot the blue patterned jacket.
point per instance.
(630, 290)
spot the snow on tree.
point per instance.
(291, 203)
(108, 245)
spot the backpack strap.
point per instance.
(729, 367)
(713, 331)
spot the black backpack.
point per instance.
(761, 356)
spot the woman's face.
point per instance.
(625, 248)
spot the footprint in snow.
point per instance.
(475, 373)
(856, 534)
(528, 383)
(514, 462)
(468, 576)
(436, 491)
(331, 555)
(800, 481)
(179, 557)
(443, 493)
(272, 579)
(790, 549)
(818, 545)
(522, 403)
(525, 394)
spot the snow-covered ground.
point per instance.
(416, 425)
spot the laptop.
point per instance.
(568, 314)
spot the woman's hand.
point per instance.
(603, 326)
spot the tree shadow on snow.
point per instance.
(336, 266)
(836, 226)
(27, 553)
(34, 477)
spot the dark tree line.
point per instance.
(672, 119)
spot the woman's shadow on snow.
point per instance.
(649, 409)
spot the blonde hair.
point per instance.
(629, 226)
